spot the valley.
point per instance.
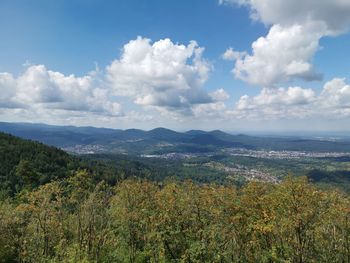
(202, 156)
(61, 204)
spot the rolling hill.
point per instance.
(161, 140)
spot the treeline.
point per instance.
(28, 164)
(55, 207)
(77, 220)
(25, 165)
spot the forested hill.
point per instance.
(54, 211)
(161, 140)
(26, 164)
(30, 163)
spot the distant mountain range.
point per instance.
(161, 140)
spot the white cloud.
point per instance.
(219, 95)
(161, 74)
(210, 110)
(280, 103)
(335, 97)
(281, 96)
(286, 52)
(296, 102)
(8, 89)
(231, 54)
(333, 13)
(165, 78)
(40, 88)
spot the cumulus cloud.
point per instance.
(231, 54)
(334, 14)
(335, 97)
(40, 88)
(280, 103)
(219, 95)
(161, 74)
(211, 110)
(282, 96)
(336, 93)
(286, 52)
(8, 88)
(166, 78)
(296, 102)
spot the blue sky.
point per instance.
(71, 35)
(44, 42)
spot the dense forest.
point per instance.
(134, 141)
(27, 164)
(59, 208)
(75, 220)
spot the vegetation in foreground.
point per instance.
(52, 210)
(76, 220)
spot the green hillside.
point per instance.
(58, 208)
(161, 140)
(28, 163)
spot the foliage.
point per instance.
(76, 220)
(25, 165)
(58, 208)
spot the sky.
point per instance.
(234, 65)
